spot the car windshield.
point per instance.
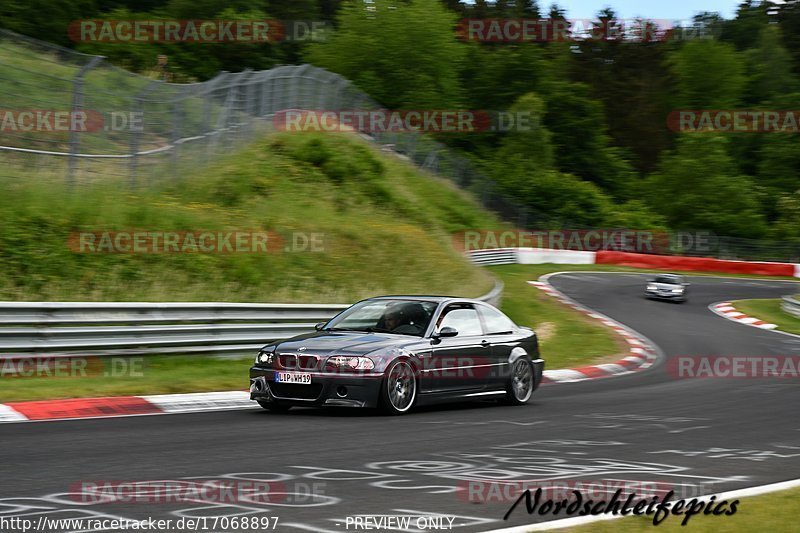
(672, 280)
(404, 317)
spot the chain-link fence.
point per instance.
(143, 129)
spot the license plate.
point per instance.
(299, 378)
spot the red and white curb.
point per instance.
(642, 353)
(727, 310)
(115, 406)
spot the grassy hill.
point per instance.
(385, 229)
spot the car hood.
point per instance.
(344, 342)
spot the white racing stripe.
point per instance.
(7, 414)
(727, 310)
(613, 368)
(565, 374)
(633, 359)
(201, 401)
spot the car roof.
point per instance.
(421, 298)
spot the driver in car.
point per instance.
(404, 319)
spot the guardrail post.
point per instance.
(791, 306)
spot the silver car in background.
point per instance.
(667, 287)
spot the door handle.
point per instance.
(484, 343)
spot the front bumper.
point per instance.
(325, 389)
(538, 372)
(677, 296)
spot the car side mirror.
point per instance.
(446, 331)
(318, 326)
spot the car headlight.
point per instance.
(651, 287)
(344, 362)
(678, 290)
(265, 358)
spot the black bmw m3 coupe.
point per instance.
(395, 352)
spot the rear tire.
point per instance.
(399, 388)
(275, 407)
(520, 384)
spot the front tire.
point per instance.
(399, 388)
(520, 384)
(275, 407)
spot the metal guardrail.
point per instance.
(499, 256)
(77, 313)
(791, 305)
(95, 329)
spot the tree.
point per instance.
(743, 31)
(582, 145)
(786, 228)
(709, 75)
(523, 166)
(769, 68)
(697, 187)
(777, 159)
(404, 54)
(789, 20)
(47, 20)
(770, 85)
(526, 151)
(493, 77)
(528, 9)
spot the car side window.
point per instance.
(496, 322)
(464, 319)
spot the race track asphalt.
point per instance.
(651, 428)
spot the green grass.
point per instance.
(769, 310)
(768, 512)
(386, 229)
(155, 374)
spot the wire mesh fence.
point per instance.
(76, 116)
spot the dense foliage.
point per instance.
(600, 152)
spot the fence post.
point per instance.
(77, 105)
(176, 129)
(222, 118)
(138, 107)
